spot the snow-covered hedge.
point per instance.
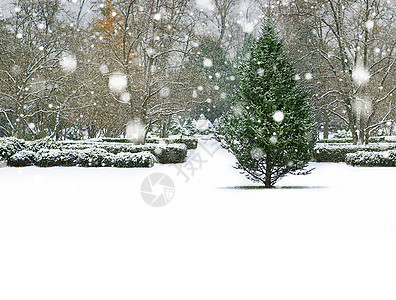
(190, 142)
(9, 146)
(165, 153)
(22, 158)
(133, 160)
(88, 153)
(55, 157)
(37, 145)
(93, 158)
(337, 152)
(372, 159)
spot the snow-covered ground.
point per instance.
(86, 233)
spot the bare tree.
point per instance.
(145, 45)
(355, 42)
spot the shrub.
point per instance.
(56, 157)
(93, 157)
(174, 153)
(166, 153)
(372, 159)
(190, 142)
(133, 160)
(338, 152)
(10, 146)
(37, 145)
(22, 158)
(342, 134)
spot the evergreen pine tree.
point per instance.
(203, 125)
(271, 129)
(189, 128)
(174, 125)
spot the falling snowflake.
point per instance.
(118, 82)
(135, 130)
(19, 35)
(125, 97)
(369, 24)
(360, 75)
(207, 62)
(157, 17)
(68, 63)
(297, 77)
(278, 116)
(308, 76)
(273, 139)
(104, 69)
(257, 153)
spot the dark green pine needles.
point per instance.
(271, 129)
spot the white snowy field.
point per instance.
(86, 233)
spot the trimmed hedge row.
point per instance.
(372, 159)
(338, 152)
(82, 158)
(88, 153)
(191, 143)
(10, 146)
(166, 154)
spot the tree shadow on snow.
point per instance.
(261, 187)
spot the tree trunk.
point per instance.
(325, 125)
(268, 173)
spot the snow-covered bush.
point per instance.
(338, 152)
(372, 159)
(9, 146)
(22, 158)
(37, 145)
(56, 157)
(343, 134)
(203, 125)
(190, 142)
(174, 153)
(165, 153)
(133, 160)
(93, 157)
